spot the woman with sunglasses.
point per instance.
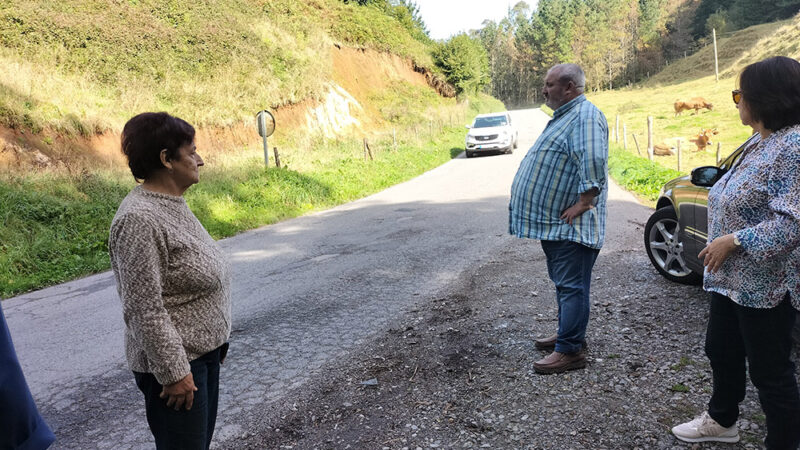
(752, 263)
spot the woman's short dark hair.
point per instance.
(146, 134)
(771, 89)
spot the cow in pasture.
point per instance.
(703, 139)
(696, 103)
(663, 150)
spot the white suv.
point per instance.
(491, 133)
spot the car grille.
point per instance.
(486, 138)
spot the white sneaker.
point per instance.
(703, 429)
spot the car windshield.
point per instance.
(491, 121)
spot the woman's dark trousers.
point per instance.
(762, 337)
(184, 430)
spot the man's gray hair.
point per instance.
(571, 72)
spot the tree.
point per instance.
(464, 62)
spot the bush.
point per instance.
(639, 175)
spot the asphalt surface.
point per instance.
(306, 292)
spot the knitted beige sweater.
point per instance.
(174, 283)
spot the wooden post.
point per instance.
(650, 137)
(616, 130)
(716, 61)
(277, 157)
(679, 155)
(624, 136)
(367, 150)
(635, 141)
(719, 144)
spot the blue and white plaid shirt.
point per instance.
(569, 158)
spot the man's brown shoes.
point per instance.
(560, 362)
(549, 343)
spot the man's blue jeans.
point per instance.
(185, 430)
(569, 265)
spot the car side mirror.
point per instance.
(468, 126)
(706, 176)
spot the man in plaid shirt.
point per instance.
(559, 197)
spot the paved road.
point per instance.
(305, 292)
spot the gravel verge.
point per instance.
(456, 371)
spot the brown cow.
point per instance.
(695, 103)
(662, 150)
(703, 139)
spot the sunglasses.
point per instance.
(737, 96)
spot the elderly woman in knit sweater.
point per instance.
(174, 284)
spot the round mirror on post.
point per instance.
(265, 122)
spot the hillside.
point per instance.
(71, 72)
(690, 77)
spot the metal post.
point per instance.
(616, 130)
(719, 144)
(263, 121)
(679, 156)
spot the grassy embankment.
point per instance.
(63, 73)
(689, 77)
(80, 66)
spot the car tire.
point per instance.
(516, 143)
(664, 248)
(468, 153)
(509, 150)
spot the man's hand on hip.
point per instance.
(584, 204)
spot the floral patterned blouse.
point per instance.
(758, 199)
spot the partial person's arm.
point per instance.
(139, 254)
(589, 144)
(781, 233)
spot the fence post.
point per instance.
(679, 155)
(624, 136)
(367, 150)
(716, 61)
(719, 144)
(635, 141)
(277, 157)
(650, 137)
(616, 130)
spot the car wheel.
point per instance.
(665, 249)
(516, 143)
(509, 150)
(468, 153)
